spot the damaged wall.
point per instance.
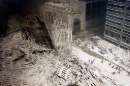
(57, 21)
(57, 17)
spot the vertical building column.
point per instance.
(83, 15)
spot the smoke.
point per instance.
(8, 7)
(15, 7)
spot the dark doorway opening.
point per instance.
(76, 25)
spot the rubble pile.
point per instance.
(109, 60)
(24, 63)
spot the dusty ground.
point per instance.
(110, 60)
(24, 63)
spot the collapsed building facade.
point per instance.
(52, 24)
(60, 18)
(57, 18)
(117, 26)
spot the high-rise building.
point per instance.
(117, 25)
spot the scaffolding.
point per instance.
(117, 25)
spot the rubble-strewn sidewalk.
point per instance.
(111, 61)
(24, 63)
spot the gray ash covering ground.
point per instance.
(24, 63)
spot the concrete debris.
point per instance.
(34, 67)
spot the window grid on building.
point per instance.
(117, 25)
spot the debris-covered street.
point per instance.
(110, 61)
(64, 42)
(27, 64)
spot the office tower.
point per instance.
(117, 26)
